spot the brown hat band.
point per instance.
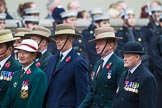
(5, 37)
(67, 31)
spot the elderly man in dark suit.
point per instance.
(137, 87)
(106, 72)
(8, 65)
(67, 72)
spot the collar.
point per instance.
(44, 51)
(27, 67)
(4, 61)
(106, 58)
(65, 53)
(133, 69)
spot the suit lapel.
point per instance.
(104, 71)
(64, 62)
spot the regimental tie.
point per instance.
(59, 60)
(99, 67)
(128, 74)
(22, 73)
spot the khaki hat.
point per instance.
(66, 29)
(20, 32)
(29, 45)
(6, 36)
(40, 31)
(104, 33)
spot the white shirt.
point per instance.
(3, 62)
(133, 69)
(65, 53)
(27, 67)
(106, 58)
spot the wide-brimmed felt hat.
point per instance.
(104, 33)
(40, 31)
(29, 45)
(20, 32)
(132, 47)
(6, 36)
(66, 29)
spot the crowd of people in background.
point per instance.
(98, 67)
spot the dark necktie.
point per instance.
(22, 73)
(100, 67)
(131, 35)
(59, 60)
(128, 74)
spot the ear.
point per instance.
(97, 25)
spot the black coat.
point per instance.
(144, 94)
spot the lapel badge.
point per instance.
(15, 84)
(109, 74)
(109, 71)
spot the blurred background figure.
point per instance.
(3, 9)
(73, 5)
(83, 14)
(2, 20)
(22, 7)
(113, 12)
(56, 14)
(30, 21)
(51, 6)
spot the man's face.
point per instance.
(30, 25)
(103, 24)
(4, 51)
(60, 41)
(130, 60)
(100, 44)
(72, 21)
(2, 24)
(156, 16)
(25, 57)
(131, 20)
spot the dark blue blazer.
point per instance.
(68, 84)
(146, 97)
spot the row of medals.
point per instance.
(131, 86)
(5, 75)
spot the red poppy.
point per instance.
(7, 64)
(28, 71)
(108, 65)
(68, 59)
(38, 64)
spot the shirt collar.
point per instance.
(133, 69)
(106, 58)
(27, 67)
(43, 51)
(65, 53)
(4, 61)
